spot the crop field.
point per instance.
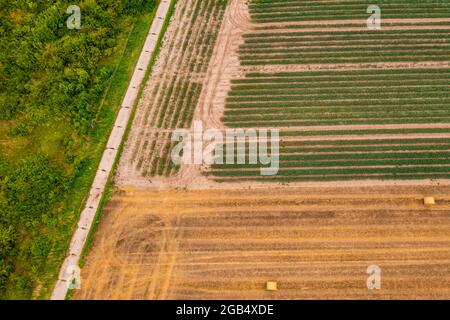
(313, 70)
(345, 47)
(225, 244)
(345, 98)
(350, 103)
(364, 125)
(170, 101)
(268, 11)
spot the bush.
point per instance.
(32, 188)
(20, 130)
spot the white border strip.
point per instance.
(110, 153)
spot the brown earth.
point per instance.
(316, 243)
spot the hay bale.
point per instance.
(271, 286)
(429, 201)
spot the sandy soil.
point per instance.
(348, 66)
(315, 243)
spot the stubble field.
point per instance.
(225, 244)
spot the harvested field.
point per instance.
(315, 243)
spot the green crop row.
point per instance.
(332, 90)
(280, 2)
(256, 4)
(335, 104)
(341, 171)
(280, 83)
(347, 110)
(337, 9)
(288, 147)
(274, 124)
(377, 96)
(409, 147)
(276, 178)
(376, 55)
(350, 24)
(349, 38)
(312, 16)
(300, 45)
(376, 48)
(359, 33)
(392, 114)
(315, 143)
(360, 72)
(344, 163)
(400, 132)
(411, 58)
(351, 156)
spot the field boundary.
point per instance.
(112, 149)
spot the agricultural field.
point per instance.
(225, 244)
(176, 85)
(350, 103)
(364, 124)
(268, 11)
(341, 99)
